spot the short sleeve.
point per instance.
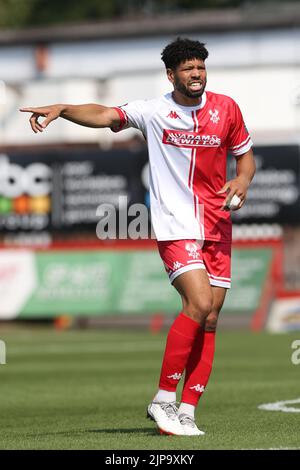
(239, 140)
(132, 115)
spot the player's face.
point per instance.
(189, 78)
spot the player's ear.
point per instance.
(170, 75)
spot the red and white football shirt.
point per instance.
(188, 148)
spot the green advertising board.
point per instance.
(91, 283)
(250, 268)
(100, 282)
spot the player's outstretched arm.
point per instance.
(89, 115)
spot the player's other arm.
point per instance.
(89, 115)
(245, 170)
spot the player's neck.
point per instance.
(183, 100)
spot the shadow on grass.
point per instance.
(149, 431)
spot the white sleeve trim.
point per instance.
(243, 149)
(241, 144)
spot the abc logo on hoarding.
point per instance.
(24, 190)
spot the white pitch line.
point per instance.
(281, 406)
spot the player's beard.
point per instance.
(179, 86)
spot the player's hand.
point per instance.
(49, 112)
(238, 186)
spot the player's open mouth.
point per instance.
(196, 86)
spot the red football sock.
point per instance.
(179, 344)
(199, 367)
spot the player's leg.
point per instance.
(197, 300)
(219, 294)
(200, 362)
(216, 257)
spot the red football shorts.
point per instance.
(180, 256)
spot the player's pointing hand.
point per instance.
(49, 112)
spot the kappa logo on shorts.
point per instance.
(177, 265)
(192, 248)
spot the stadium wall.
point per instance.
(242, 64)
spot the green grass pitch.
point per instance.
(89, 390)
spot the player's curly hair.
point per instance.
(183, 49)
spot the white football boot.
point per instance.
(189, 426)
(166, 417)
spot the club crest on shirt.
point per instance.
(214, 116)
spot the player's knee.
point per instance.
(211, 321)
(198, 309)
